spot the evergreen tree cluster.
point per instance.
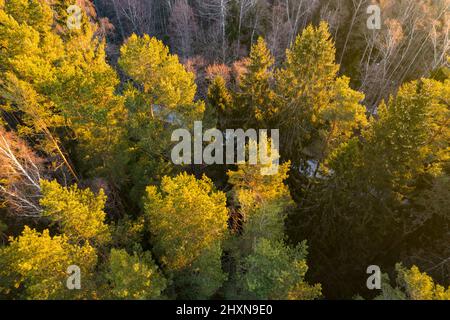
(86, 176)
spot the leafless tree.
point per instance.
(259, 14)
(244, 7)
(357, 10)
(413, 41)
(20, 175)
(216, 12)
(299, 14)
(137, 16)
(277, 39)
(182, 28)
(138, 13)
(289, 17)
(331, 14)
(440, 40)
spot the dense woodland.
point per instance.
(86, 176)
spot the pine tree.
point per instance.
(256, 96)
(167, 85)
(58, 83)
(133, 277)
(160, 100)
(34, 266)
(412, 285)
(316, 108)
(379, 184)
(220, 102)
(410, 137)
(275, 271)
(27, 66)
(265, 267)
(263, 201)
(188, 222)
(79, 212)
(85, 91)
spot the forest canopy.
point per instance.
(91, 93)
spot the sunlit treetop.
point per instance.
(36, 264)
(163, 78)
(186, 217)
(413, 285)
(134, 277)
(79, 212)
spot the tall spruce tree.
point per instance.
(159, 100)
(255, 97)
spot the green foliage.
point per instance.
(149, 142)
(267, 268)
(79, 212)
(128, 232)
(28, 60)
(165, 82)
(204, 276)
(220, 101)
(442, 73)
(85, 91)
(134, 277)
(34, 266)
(256, 96)
(161, 99)
(34, 13)
(276, 272)
(187, 217)
(401, 134)
(317, 110)
(359, 187)
(60, 82)
(385, 187)
(410, 139)
(413, 285)
(263, 201)
(188, 221)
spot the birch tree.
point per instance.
(183, 29)
(20, 174)
(216, 12)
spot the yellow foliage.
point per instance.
(420, 286)
(186, 218)
(37, 263)
(79, 212)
